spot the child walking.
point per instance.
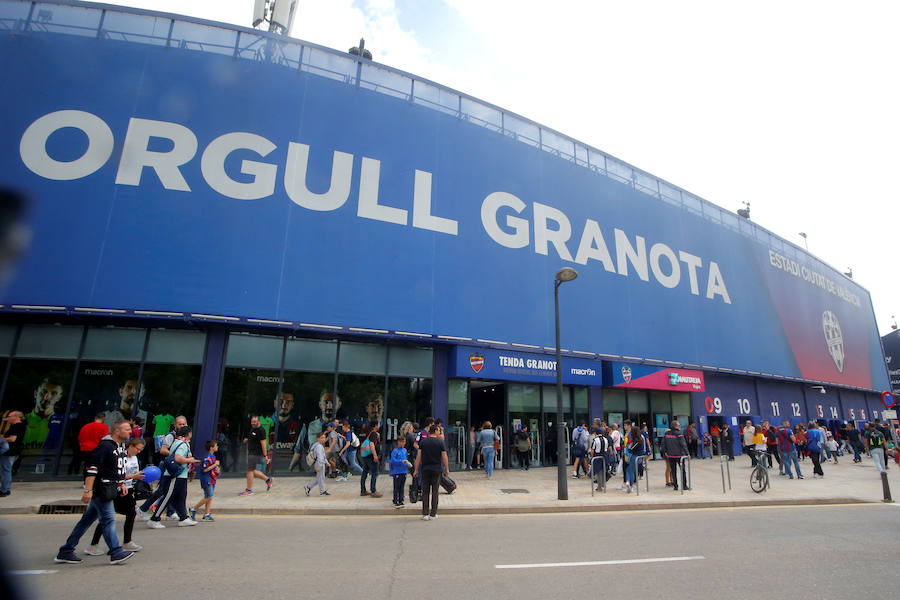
(209, 473)
(319, 464)
(399, 469)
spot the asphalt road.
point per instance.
(828, 552)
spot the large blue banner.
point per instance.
(168, 179)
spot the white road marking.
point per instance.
(38, 572)
(632, 561)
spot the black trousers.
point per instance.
(174, 495)
(673, 466)
(431, 485)
(817, 464)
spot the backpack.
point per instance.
(354, 442)
(168, 465)
(311, 455)
(876, 439)
(367, 448)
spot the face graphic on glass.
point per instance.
(45, 398)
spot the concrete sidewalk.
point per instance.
(514, 491)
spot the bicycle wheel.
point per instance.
(759, 480)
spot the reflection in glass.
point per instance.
(525, 415)
(306, 404)
(245, 393)
(169, 391)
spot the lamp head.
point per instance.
(566, 274)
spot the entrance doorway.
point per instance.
(488, 403)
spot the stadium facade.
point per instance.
(228, 222)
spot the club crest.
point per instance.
(476, 361)
(834, 339)
(626, 373)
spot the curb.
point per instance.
(503, 510)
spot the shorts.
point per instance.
(208, 490)
(578, 452)
(253, 461)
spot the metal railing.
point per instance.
(684, 464)
(724, 465)
(637, 473)
(106, 22)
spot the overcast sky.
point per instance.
(789, 105)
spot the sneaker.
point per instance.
(172, 518)
(424, 518)
(246, 493)
(398, 505)
(120, 557)
(193, 512)
(800, 477)
(628, 489)
(208, 518)
(155, 525)
(94, 551)
(132, 547)
(68, 558)
(143, 515)
(342, 478)
(306, 489)
(187, 523)
(268, 484)
(791, 476)
(364, 493)
(433, 517)
(325, 493)
(375, 494)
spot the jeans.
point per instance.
(124, 505)
(488, 454)
(630, 470)
(856, 456)
(399, 485)
(95, 510)
(6, 463)
(878, 457)
(790, 457)
(431, 485)
(349, 457)
(369, 466)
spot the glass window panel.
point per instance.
(670, 192)
(692, 203)
(730, 220)
(582, 405)
(136, 28)
(259, 351)
(246, 392)
(306, 403)
(597, 160)
(409, 399)
(524, 417)
(176, 347)
(114, 344)
(194, 36)
(556, 143)
(65, 19)
(39, 388)
(10, 12)
(638, 401)
(614, 401)
(7, 335)
(618, 170)
(411, 362)
(436, 98)
(522, 130)
(659, 403)
(646, 183)
(329, 65)
(361, 400)
(385, 82)
(457, 415)
(49, 341)
(110, 387)
(310, 355)
(253, 47)
(484, 115)
(524, 398)
(362, 358)
(681, 404)
(168, 391)
(581, 154)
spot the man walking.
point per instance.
(875, 444)
(675, 448)
(855, 442)
(747, 439)
(787, 447)
(105, 480)
(174, 495)
(431, 461)
(256, 450)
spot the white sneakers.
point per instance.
(142, 515)
(132, 547)
(172, 517)
(155, 525)
(187, 522)
(94, 551)
(426, 517)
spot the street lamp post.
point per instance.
(563, 275)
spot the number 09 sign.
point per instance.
(713, 406)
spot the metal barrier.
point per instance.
(684, 463)
(724, 466)
(498, 456)
(601, 478)
(637, 474)
(462, 441)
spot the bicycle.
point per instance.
(759, 476)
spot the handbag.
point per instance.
(106, 491)
(142, 490)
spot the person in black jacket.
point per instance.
(675, 448)
(105, 480)
(727, 437)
